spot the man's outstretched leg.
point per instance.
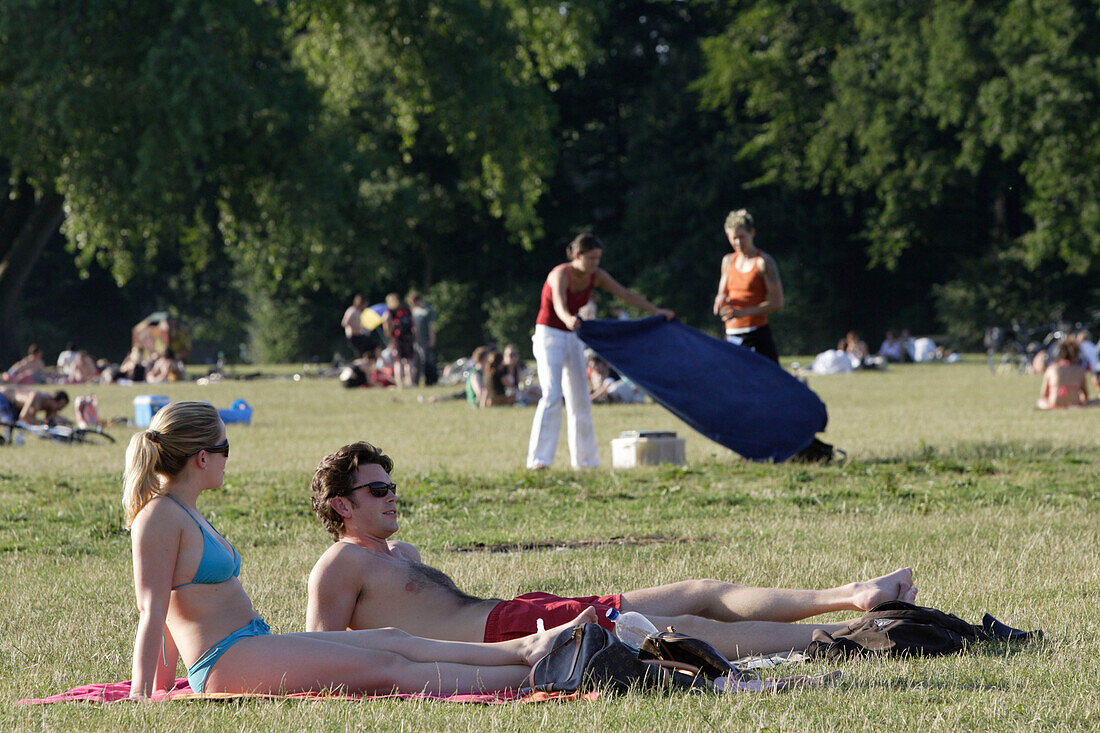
(744, 638)
(719, 601)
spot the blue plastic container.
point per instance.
(238, 412)
(145, 406)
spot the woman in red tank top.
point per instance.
(559, 354)
(748, 289)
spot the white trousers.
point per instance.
(560, 359)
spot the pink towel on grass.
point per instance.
(116, 691)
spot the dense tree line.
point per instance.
(930, 165)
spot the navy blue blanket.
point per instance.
(728, 393)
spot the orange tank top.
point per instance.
(746, 289)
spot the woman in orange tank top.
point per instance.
(749, 288)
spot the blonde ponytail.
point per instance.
(141, 482)
(178, 431)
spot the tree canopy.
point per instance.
(251, 164)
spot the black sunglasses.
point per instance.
(378, 489)
(222, 448)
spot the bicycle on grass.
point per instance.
(15, 433)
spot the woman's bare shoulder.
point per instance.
(557, 273)
(161, 513)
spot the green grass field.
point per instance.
(950, 470)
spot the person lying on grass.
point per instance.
(366, 580)
(191, 603)
(24, 404)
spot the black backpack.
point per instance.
(898, 628)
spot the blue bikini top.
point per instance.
(218, 564)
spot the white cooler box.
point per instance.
(647, 448)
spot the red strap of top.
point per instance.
(573, 301)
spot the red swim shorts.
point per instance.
(515, 618)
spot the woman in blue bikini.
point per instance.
(191, 603)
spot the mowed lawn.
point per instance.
(950, 470)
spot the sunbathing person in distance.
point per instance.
(366, 580)
(1065, 382)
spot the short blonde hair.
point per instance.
(740, 219)
(178, 431)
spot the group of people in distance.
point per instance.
(408, 354)
(76, 366)
(415, 630)
(490, 378)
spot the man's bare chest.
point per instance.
(397, 581)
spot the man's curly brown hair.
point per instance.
(335, 476)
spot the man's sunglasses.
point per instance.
(378, 489)
(222, 448)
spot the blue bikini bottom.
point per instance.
(196, 674)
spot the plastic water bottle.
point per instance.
(631, 627)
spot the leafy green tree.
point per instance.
(946, 131)
(459, 317)
(641, 166)
(510, 318)
(1040, 110)
(995, 291)
(293, 151)
(164, 134)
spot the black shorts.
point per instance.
(760, 341)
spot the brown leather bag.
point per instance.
(690, 655)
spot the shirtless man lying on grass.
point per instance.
(366, 580)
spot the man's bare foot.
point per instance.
(536, 646)
(897, 586)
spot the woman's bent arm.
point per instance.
(1045, 387)
(154, 553)
(558, 285)
(720, 298)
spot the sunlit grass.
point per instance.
(950, 471)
